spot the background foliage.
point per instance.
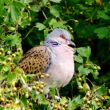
(25, 23)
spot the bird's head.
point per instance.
(59, 37)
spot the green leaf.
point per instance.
(11, 77)
(56, 1)
(52, 91)
(40, 26)
(26, 1)
(24, 100)
(75, 103)
(83, 70)
(45, 1)
(1, 7)
(15, 10)
(100, 91)
(55, 24)
(13, 40)
(63, 100)
(54, 10)
(78, 58)
(1, 108)
(84, 51)
(102, 14)
(35, 8)
(102, 32)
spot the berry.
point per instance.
(9, 52)
(9, 59)
(2, 50)
(13, 55)
(4, 63)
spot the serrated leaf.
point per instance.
(1, 108)
(35, 8)
(102, 32)
(40, 26)
(52, 91)
(83, 70)
(101, 90)
(26, 1)
(45, 2)
(56, 1)
(11, 76)
(84, 51)
(52, 22)
(75, 103)
(55, 24)
(13, 39)
(23, 100)
(54, 10)
(102, 14)
(1, 6)
(15, 10)
(78, 59)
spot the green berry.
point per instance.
(41, 90)
(11, 94)
(0, 53)
(19, 49)
(88, 102)
(85, 98)
(41, 86)
(34, 87)
(12, 28)
(80, 87)
(2, 99)
(27, 95)
(80, 79)
(2, 50)
(88, 93)
(14, 89)
(96, 99)
(90, 108)
(46, 75)
(9, 59)
(37, 88)
(9, 52)
(13, 55)
(4, 63)
(62, 108)
(17, 53)
(98, 67)
(42, 76)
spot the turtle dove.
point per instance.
(55, 57)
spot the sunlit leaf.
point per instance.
(54, 10)
(84, 51)
(40, 26)
(100, 91)
(102, 32)
(56, 1)
(79, 59)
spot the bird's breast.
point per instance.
(61, 69)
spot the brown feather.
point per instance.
(35, 60)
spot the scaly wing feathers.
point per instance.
(36, 60)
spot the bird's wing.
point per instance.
(36, 60)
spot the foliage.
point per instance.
(25, 23)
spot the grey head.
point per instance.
(57, 37)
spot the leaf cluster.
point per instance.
(26, 23)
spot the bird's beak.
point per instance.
(71, 44)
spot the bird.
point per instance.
(55, 57)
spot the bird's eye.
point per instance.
(54, 43)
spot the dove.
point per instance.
(55, 57)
